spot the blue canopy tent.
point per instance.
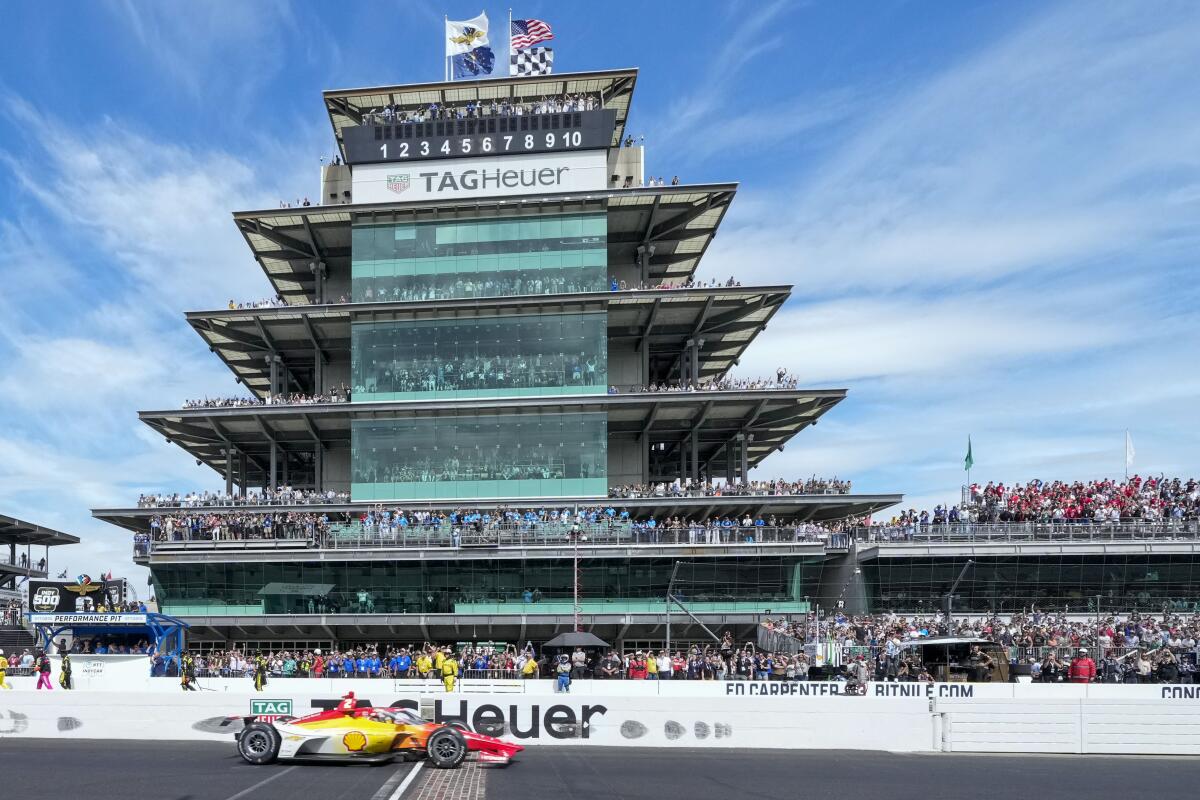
(166, 632)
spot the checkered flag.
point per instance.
(534, 61)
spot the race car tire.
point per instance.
(258, 744)
(458, 724)
(446, 748)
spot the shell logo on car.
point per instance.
(355, 741)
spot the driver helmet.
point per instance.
(1082, 651)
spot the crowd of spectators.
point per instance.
(775, 487)
(1136, 498)
(338, 394)
(434, 374)
(556, 104)
(271, 302)
(192, 526)
(1134, 648)
(723, 383)
(452, 287)
(454, 527)
(283, 496)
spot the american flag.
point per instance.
(526, 33)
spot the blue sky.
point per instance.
(990, 212)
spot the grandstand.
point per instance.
(504, 300)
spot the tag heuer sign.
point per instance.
(398, 183)
(270, 710)
(45, 599)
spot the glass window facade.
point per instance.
(492, 585)
(479, 456)
(1079, 584)
(544, 354)
(548, 254)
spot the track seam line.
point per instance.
(260, 784)
(396, 795)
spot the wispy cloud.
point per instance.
(1003, 249)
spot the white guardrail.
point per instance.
(909, 717)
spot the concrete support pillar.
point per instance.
(744, 441)
(644, 447)
(243, 480)
(274, 377)
(683, 460)
(284, 479)
(729, 461)
(694, 361)
(228, 470)
(274, 468)
(695, 457)
(318, 468)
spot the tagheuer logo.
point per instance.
(397, 183)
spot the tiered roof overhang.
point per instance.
(726, 320)
(768, 418)
(346, 107)
(678, 221)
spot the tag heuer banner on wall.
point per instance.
(81, 594)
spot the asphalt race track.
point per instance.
(179, 771)
(213, 771)
(644, 774)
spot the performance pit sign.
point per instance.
(454, 179)
(87, 619)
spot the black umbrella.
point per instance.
(576, 639)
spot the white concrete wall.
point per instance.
(1148, 719)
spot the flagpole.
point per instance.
(510, 50)
(446, 36)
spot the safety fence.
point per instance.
(985, 532)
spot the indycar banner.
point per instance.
(81, 594)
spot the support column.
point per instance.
(274, 368)
(284, 478)
(744, 439)
(270, 482)
(228, 470)
(318, 468)
(729, 461)
(644, 446)
(682, 460)
(694, 360)
(695, 456)
(243, 480)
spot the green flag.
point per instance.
(969, 461)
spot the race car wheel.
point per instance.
(446, 748)
(459, 725)
(259, 743)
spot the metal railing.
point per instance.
(357, 536)
(985, 532)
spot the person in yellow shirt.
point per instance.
(3, 670)
(651, 668)
(438, 658)
(424, 665)
(449, 669)
(529, 669)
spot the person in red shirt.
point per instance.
(637, 667)
(1083, 669)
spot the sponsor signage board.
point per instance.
(87, 619)
(547, 173)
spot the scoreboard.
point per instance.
(479, 136)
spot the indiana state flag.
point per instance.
(463, 37)
(479, 61)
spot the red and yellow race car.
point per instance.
(370, 735)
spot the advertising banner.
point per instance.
(547, 173)
(81, 594)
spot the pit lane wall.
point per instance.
(1098, 718)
